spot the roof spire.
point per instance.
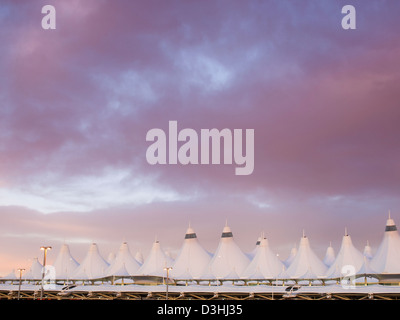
(304, 234)
(390, 225)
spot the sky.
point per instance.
(76, 103)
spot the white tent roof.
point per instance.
(35, 271)
(265, 262)
(93, 265)
(283, 274)
(11, 276)
(291, 257)
(182, 276)
(192, 258)
(329, 256)
(110, 258)
(387, 257)
(155, 262)
(256, 275)
(306, 262)
(366, 268)
(368, 251)
(208, 275)
(348, 255)
(252, 254)
(65, 265)
(121, 271)
(232, 275)
(228, 256)
(139, 257)
(124, 259)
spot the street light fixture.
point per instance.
(167, 269)
(20, 276)
(44, 248)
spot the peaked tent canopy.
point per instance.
(329, 258)
(110, 258)
(291, 257)
(252, 254)
(233, 275)
(348, 255)
(306, 262)
(387, 257)
(35, 271)
(11, 276)
(365, 268)
(121, 271)
(192, 259)
(368, 251)
(208, 275)
(228, 257)
(156, 261)
(93, 265)
(65, 265)
(139, 257)
(123, 260)
(265, 262)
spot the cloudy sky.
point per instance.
(76, 104)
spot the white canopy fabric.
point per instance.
(283, 274)
(11, 276)
(233, 275)
(348, 255)
(110, 258)
(387, 257)
(306, 262)
(228, 257)
(265, 262)
(192, 258)
(208, 275)
(123, 261)
(257, 275)
(93, 265)
(330, 257)
(291, 257)
(155, 262)
(182, 275)
(368, 251)
(35, 271)
(65, 265)
(228, 261)
(366, 268)
(121, 271)
(139, 257)
(252, 254)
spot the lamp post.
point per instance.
(167, 268)
(276, 280)
(44, 248)
(20, 276)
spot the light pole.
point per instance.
(276, 280)
(20, 276)
(44, 248)
(167, 268)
